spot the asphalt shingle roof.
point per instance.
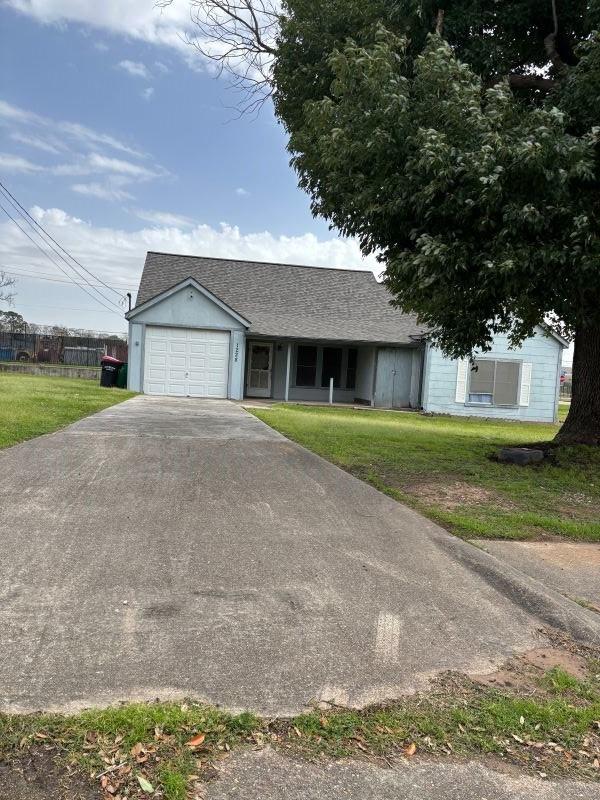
(282, 300)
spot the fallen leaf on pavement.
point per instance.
(410, 750)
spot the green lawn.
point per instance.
(31, 405)
(442, 467)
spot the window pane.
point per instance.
(306, 365)
(332, 366)
(482, 377)
(506, 390)
(351, 370)
(261, 355)
(484, 399)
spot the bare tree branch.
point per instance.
(550, 44)
(439, 24)
(238, 37)
(6, 283)
(531, 82)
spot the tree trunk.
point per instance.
(582, 425)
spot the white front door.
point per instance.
(260, 368)
(188, 362)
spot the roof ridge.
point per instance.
(266, 263)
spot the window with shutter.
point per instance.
(495, 382)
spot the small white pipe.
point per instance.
(287, 371)
(330, 391)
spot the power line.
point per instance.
(42, 276)
(45, 252)
(35, 222)
(66, 308)
(24, 217)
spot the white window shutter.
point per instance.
(461, 380)
(525, 383)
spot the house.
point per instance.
(212, 327)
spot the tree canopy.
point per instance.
(461, 145)
(458, 140)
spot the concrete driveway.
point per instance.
(170, 548)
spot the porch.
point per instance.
(348, 373)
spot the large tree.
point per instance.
(459, 141)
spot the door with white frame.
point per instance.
(260, 369)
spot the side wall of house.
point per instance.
(187, 308)
(542, 351)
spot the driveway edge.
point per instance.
(548, 605)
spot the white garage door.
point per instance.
(188, 362)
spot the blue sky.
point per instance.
(117, 138)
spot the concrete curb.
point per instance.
(548, 605)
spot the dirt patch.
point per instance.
(453, 494)
(523, 673)
(37, 776)
(545, 658)
(576, 505)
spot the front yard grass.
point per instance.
(31, 405)
(441, 466)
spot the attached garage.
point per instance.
(187, 362)
(186, 342)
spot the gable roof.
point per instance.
(282, 300)
(183, 285)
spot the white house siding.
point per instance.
(542, 351)
(187, 308)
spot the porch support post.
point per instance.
(288, 368)
(330, 391)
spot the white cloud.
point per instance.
(117, 255)
(14, 116)
(16, 164)
(103, 191)
(138, 19)
(92, 164)
(100, 163)
(169, 26)
(163, 218)
(102, 47)
(147, 93)
(135, 68)
(162, 67)
(81, 150)
(241, 192)
(37, 142)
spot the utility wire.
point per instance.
(86, 281)
(56, 264)
(66, 252)
(42, 276)
(66, 308)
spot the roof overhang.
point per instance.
(544, 327)
(551, 332)
(184, 284)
